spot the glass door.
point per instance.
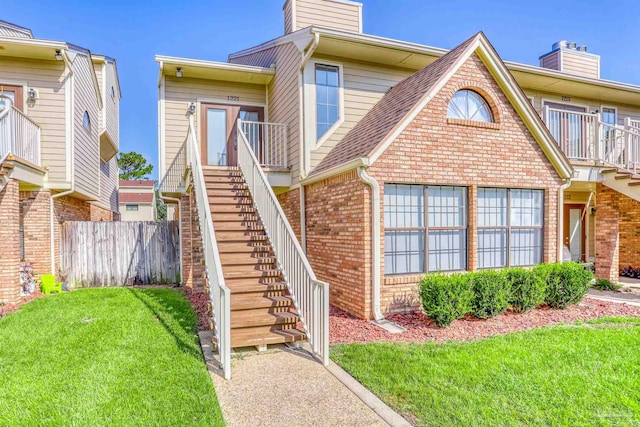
(574, 232)
(10, 96)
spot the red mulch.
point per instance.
(200, 303)
(344, 328)
(12, 308)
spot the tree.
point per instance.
(161, 208)
(133, 166)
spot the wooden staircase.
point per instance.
(623, 181)
(261, 310)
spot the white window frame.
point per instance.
(132, 205)
(615, 109)
(310, 115)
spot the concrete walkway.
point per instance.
(287, 387)
(621, 297)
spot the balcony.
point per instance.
(585, 138)
(269, 144)
(19, 137)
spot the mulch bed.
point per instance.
(200, 302)
(12, 308)
(345, 328)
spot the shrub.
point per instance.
(490, 293)
(446, 298)
(606, 285)
(567, 283)
(527, 289)
(630, 271)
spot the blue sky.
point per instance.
(134, 31)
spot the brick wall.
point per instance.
(98, 213)
(290, 202)
(338, 213)
(607, 233)
(67, 208)
(629, 220)
(35, 219)
(192, 251)
(10, 238)
(453, 152)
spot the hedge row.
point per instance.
(484, 294)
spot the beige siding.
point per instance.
(145, 212)
(551, 61)
(580, 64)
(327, 14)
(364, 85)
(112, 104)
(288, 16)
(47, 78)
(11, 32)
(109, 184)
(179, 92)
(86, 144)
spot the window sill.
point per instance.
(472, 123)
(400, 279)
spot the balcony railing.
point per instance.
(585, 137)
(174, 180)
(19, 136)
(268, 142)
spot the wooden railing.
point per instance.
(310, 296)
(219, 293)
(268, 142)
(19, 136)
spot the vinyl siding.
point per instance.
(109, 184)
(288, 16)
(145, 212)
(112, 105)
(364, 85)
(327, 14)
(580, 64)
(86, 144)
(551, 61)
(47, 78)
(179, 92)
(10, 32)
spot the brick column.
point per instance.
(10, 241)
(192, 251)
(607, 233)
(472, 263)
(35, 220)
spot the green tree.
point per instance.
(133, 166)
(161, 208)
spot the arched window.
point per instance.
(86, 121)
(469, 105)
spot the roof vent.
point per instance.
(572, 45)
(582, 48)
(559, 45)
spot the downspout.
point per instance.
(311, 48)
(73, 170)
(375, 241)
(560, 246)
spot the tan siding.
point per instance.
(86, 144)
(364, 85)
(109, 184)
(580, 64)
(112, 105)
(10, 32)
(47, 78)
(552, 61)
(288, 17)
(328, 14)
(180, 92)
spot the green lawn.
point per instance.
(97, 357)
(574, 375)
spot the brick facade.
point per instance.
(97, 213)
(10, 238)
(607, 233)
(192, 251)
(629, 222)
(290, 202)
(35, 220)
(338, 226)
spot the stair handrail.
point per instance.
(174, 180)
(219, 293)
(19, 135)
(620, 146)
(310, 296)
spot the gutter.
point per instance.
(560, 245)
(375, 241)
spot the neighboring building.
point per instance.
(392, 159)
(137, 200)
(59, 108)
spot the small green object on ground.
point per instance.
(97, 357)
(49, 285)
(571, 374)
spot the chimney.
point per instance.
(343, 15)
(571, 58)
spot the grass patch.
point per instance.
(105, 357)
(561, 375)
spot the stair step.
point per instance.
(227, 192)
(230, 199)
(234, 208)
(623, 176)
(247, 259)
(7, 165)
(634, 183)
(233, 179)
(255, 287)
(249, 337)
(243, 247)
(226, 185)
(226, 226)
(235, 217)
(253, 301)
(611, 170)
(241, 236)
(240, 268)
(261, 317)
(248, 274)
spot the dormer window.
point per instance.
(469, 105)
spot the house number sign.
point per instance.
(233, 98)
(566, 98)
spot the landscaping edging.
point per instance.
(344, 328)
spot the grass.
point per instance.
(124, 357)
(582, 374)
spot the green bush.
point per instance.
(567, 283)
(446, 298)
(528, 290)
(606, 285)
(490, 293)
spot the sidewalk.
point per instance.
(287, 387)
(621, 297)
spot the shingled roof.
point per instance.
(390, 110)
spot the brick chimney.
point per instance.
(571, 58)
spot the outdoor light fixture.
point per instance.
(179, 72)
(192, 108)
(58, 55)
(32, 94)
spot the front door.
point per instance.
(574, 231)
(219, 127)
(10, 96)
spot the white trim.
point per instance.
(569, 103)
(205, 100)
(161, 125)
(214, 65)
(69, 125)
(602, 107)
(362, 161)
(287, 38)
(294, 18)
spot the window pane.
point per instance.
(492, 207)
(526, 247)
(403, 206)
(492, 248)
(526, 208)
(403, 252)
(327, 98)
(469, 105)
(447, 250)
(447, 206)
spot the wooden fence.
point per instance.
(94, 254)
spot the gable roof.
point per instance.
(135, 197)
(137, 183)
(366, 141)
